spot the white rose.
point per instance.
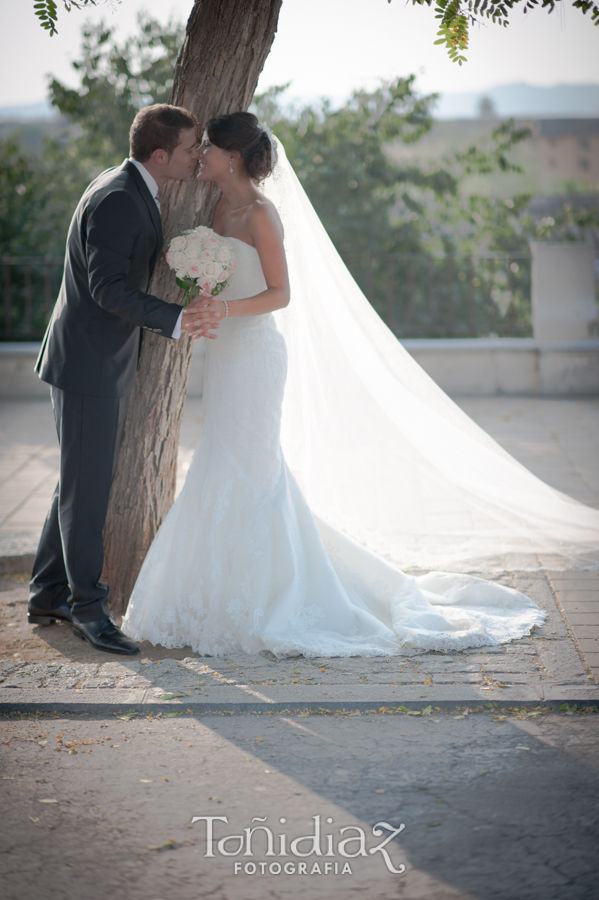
(178, 243)
(213, 269)
(223, 254)
(180, 261)
(193, 238)
(207, 284)
(207, 256)
(211, 240)
(169, 259)
(194, 269)
(193, 251)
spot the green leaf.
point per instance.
(427, 710)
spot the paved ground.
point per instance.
(557, 439)
(494, 808)
(47, 667)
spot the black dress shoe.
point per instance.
(60, 613)
(105, 635)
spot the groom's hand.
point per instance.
(194, 322)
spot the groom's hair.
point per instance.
(158, 127)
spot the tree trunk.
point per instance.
(226, 45)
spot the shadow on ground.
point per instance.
(494, 809)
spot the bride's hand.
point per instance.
(194, 323)
(212, 308)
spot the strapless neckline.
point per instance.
(239, 241)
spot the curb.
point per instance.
(102, 709)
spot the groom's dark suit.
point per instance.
(89, 356)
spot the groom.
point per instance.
(89, 357)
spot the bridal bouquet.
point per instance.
(202, 261)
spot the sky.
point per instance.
(328, 47)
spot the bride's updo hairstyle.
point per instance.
(241, 131)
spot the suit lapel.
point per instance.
(148, 200)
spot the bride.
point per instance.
(303, 553)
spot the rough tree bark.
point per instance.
(226, 45)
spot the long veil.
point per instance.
(380, 451)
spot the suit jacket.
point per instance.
(92, 343)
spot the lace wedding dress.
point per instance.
(242, 564)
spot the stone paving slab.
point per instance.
(577, 598)
(47, 662)
(545, 667)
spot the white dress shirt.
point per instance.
(153, 189)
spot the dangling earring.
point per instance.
(231, 166)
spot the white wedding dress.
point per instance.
(301, 551)
(241, 563)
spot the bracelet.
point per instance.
(226, 308)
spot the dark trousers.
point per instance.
(70, 556)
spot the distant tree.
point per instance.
(339, 155)
(394, 223)
(486, 108)
(367, 202)
(38, 193)
(116, 80)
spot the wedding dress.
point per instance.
(265, 550)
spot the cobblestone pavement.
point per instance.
(52, 666)
(555, 438)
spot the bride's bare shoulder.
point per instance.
(264, 216)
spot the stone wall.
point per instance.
(477, 366)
